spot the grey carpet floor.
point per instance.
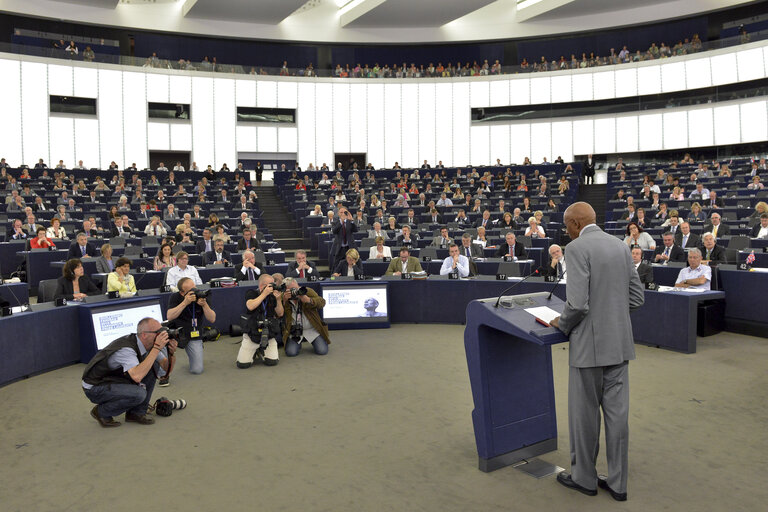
(382, 423)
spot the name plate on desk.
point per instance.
(386, 259)
(312, 278)
(406, 275)
(651, 286)
(453, 275)
(270, 262)
(501, 277)
(359, 277)
(550, 279)
(744, 266)
(507, 257)
(426, 258)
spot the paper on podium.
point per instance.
(543, 313)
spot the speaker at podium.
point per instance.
(510, 371)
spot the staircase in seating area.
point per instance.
(280, 222)
(595, 195)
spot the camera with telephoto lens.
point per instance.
(297, 332)
(200, 294)
(165, 407)
(298, 292)
(278, 287)
(173, 334)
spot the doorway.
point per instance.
(348, 160)
(169, 158)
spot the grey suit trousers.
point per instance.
(589, 389)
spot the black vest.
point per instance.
(98, 372)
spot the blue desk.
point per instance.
(746, 308)
(15, 293)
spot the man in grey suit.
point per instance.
(596, 318)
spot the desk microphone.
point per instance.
(534, 273)
(18, 302)
(549, 297)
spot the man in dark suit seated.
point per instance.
(407, 238)
(247, 242)
(684, 238)
(644, 270)
(711, 252)
(433, 217)
(511, 248)
(119, 228)
(760, 230)
(556, 266)
(205, 244)
(485, 221)
(713, 201)
(442, 240)
(716, 227)
(249, 269)
(301, 268)
(82, 248)
(219, 256)
(668, 251)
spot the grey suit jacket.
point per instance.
(602, 287)
(102, 267)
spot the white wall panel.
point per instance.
(648, 80)
(754, 124)
(675, 130)
(480, 94)
(750, 64)
(462, 120)
(499, 93)
(341, 119)
(626, 82)
(10, 111)
(723, 69)
(202, 122)
(410, 125)
(86, 82)
(627, 136)
(181, 136)
(427, 132)
(305, 124)
(540, 90)
(375, 123)
(62, 141)
(86, 133)
(135, 119)
(605, 135)
(60, 81)
(324, 122)
(673, 77)
(698, 73)
(266, 94)
(224, 109)
(562, 140)
(604, 85)
(541, 142)
(444, 123)
(727, 125)
(181, 89)
(519, 142)
(358, 118)
(286, 139)
(34, 100)
(650, 129)
(500, 143)
(520, 91)
(158, 136)
(158, 87)
(583, 136)
(561, 88)
(267, 139)
(245, 93)
(583, 89)
(393, 151)
(110, 112)
(286, 94)
(480, 145)
(701, 130)
(246, 138)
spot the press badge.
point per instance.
(195, 333)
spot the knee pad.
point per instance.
(271, 362)
(270, 353)
(243, 365)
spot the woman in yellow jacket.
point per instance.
(121, 280)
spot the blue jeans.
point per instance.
(194, 351)
(292, 348)
(115, 399)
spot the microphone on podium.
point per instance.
(534, 273)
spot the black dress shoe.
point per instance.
(104, 422)
(141, 419)
(565, 479)
(603, 484)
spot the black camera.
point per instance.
(297, 332)
(298, 292)
(165, 407)
(278, 287)
(172, 333)
(200, 294)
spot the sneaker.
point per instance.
(164, 382)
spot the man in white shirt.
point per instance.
(455, 263)
(444, 201)
(760, 230)
(182, 269)
(695, 275)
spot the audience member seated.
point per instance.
(404, 264)
(760, 209)
(715, 227)
(485, 221)
(407, 238)
(247, 242)
(82, 248)
(644, 270)
(379, 251)
(205, 244)
(377, 232)
(219, 255)
(556, 266)
(696, 214)
(118, 228)
(511, 248)
(684, 238)
(104, 263)
(760, 230)
(695, 275)
(56, 230)
(635, 236)
(301, 268)
(668, 251)
(182, 269)
(350, 266)
(442, 240)
(164, 258)
(155, 228)
(121, 281)
(455, 263)
(249, 269)
(304, 309)
(41, 241)
(17, 233)
(711, 252)
(74, 284)
(534, 230)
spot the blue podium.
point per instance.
(510, 372)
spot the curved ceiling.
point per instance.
(367, 21)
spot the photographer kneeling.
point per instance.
(186, 310)
(302, 307)
(260, 324)
(121, 376)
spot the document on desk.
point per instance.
(543, 314)
(680, 289)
